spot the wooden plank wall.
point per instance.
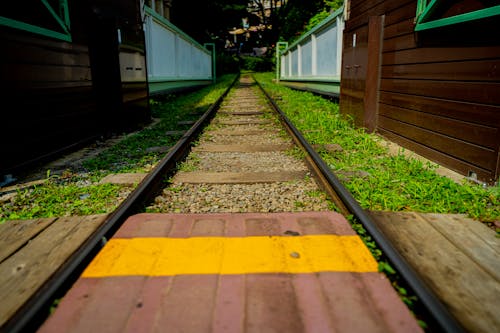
(56, 95)
(436, 97)
(47, 98)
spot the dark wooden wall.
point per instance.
(56, 95)
(48, 103)
(437, 92)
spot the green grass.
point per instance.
(56, 199)
(132, 155)
(190, 164)
(77, 192)
(392, 183)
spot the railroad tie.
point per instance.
(237, 177)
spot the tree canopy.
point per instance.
(211, 20)
(206, 20)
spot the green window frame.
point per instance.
(426, 8)
(60, 15)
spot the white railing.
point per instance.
(174, 59)
(317, 55)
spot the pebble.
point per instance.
(245, 162)
(234, 198)
(231, 198)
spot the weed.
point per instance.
(315, 193)
(80, 194)
(296, 153)
(174, 189)
(299, 204)
(395, 183)
(135, 153)
(191, 164)
(54, 199)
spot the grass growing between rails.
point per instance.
(78, 192)
(376, 179)
(137, 152)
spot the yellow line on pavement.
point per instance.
(231, 255)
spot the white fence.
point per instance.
(174, 60)
(317, 55)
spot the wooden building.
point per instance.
(70, 71)
(426, 74)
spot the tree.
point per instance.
(300, 16)
(295, 16)
(210, 20)
(266, 10)
(288, 18)
(205, 20)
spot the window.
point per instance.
(44, 17)
(438, 13)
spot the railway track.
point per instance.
(242, 163)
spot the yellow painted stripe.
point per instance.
(231, 255)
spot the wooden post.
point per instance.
(375, 38)
(211, 47)
(280, 47)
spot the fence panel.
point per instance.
(315, 59)
(174, 60)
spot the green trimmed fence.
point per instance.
(174, 60)
(314, 60)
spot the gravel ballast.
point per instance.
(299, 195)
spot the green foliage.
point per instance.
(334, 4)
(227, 63)
(295, 16)
(56, 199)
(134, 154)
(206, 20)
(191, 164)
(74, 194)
(213, 19)
(54, 305)
(257, 64)
(299, 21)
(316, 19)
(329, 7)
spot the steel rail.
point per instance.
(142, 194)
(438, 312)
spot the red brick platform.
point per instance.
(280, 272)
